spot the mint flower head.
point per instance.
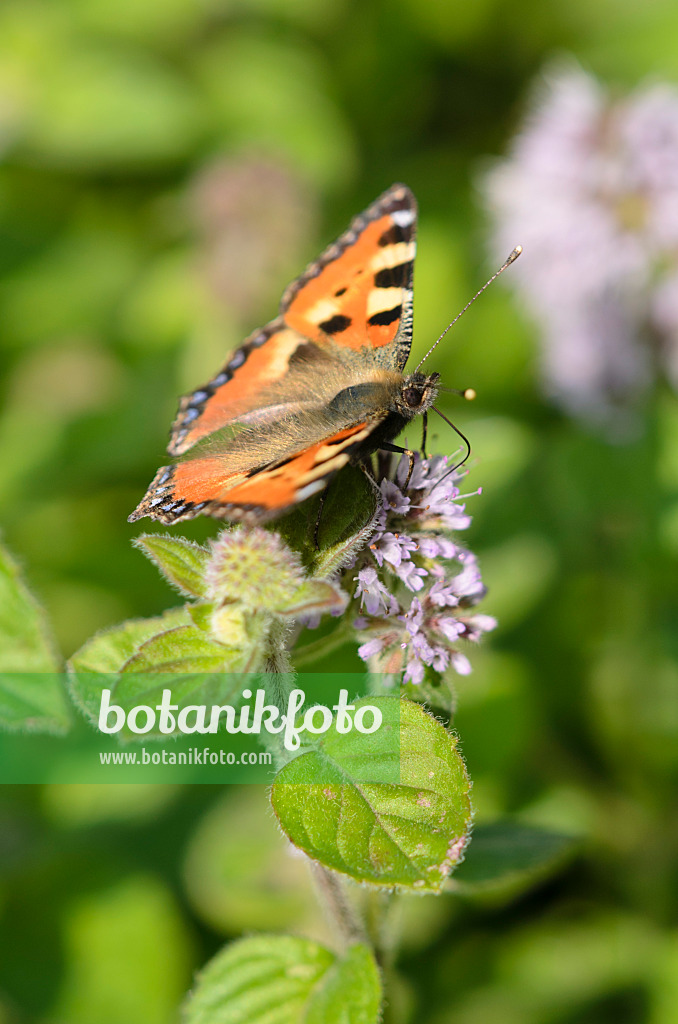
(415, 586)
(591, 188)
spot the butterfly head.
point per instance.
(418, 392)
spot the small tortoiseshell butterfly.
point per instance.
(320, 386)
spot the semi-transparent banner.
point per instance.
(213, 728)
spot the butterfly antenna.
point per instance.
(507, 263)
(464, 438)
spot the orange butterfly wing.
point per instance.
(356, 295)
(359, 292)
(203, 485)
(356, 298)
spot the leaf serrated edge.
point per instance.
(140, 543)
(17, 575)
(425, 885)
(120, 627)
(314, 595)
(342, 552)
(204, 637)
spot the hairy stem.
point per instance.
(341, 913)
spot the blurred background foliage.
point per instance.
(166, 166)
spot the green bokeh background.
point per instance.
(123, 283)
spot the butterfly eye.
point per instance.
(413, 397)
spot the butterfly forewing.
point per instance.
(301, 396)
(359, 291)
(239, 387)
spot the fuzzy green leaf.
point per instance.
(507, 855)
(131, 689)
(180, 561)
(409, 832)
(98, 664)
(302, 980)
(138, 659)
(109, 650)
(350, 993)
(31, 696)
(184, 649)
(345, 523)
(25, 643)
(201, 615)
(314, 596)
(183, 659)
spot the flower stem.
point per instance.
(332, 895)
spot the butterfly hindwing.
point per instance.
(204, 485)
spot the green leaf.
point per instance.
(181, 561)
(510, 855)
(109, 650)
(133, 688)
(31, 695)
(314, 596)
(351, 993)
(97, 664)
(345, 523)
(138, 659)
(129, 689)
(183, 649)
(302, 980)
(409, 832)
(25, 643)
(201, 615)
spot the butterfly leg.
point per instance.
(424, 431)
(388, 447)
(368, 469)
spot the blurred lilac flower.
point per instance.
(590, 189)
(254, 218)
(416, 603)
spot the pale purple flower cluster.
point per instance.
(590, 190)
(415, 585)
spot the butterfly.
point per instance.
(320, 386)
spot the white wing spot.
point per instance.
(309, 489)
(381, 299)
(323, 310)
(403, 218)
(393, 255)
